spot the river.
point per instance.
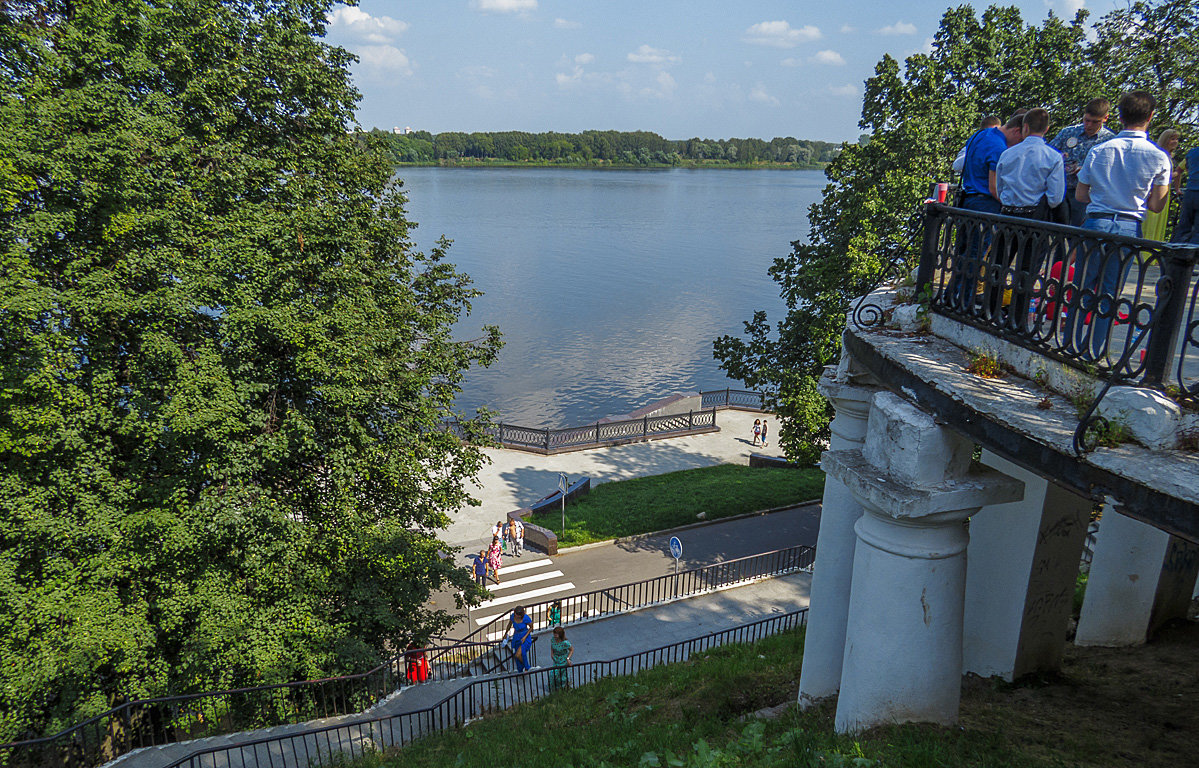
(608, 286)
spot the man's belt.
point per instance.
(1018, 210)
(1114, 216)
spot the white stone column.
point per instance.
(903, 644)
(1022, 564)
(1139, 578)
(824, 639)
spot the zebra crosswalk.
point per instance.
(522, 583)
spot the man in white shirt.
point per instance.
(1030, 178)
(1120, 179)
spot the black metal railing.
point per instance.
(640, 594)
(1104, 303)
(599, 433)
(332, 744)
(733, 398)
(152, 722)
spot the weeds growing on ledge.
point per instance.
(986, 366)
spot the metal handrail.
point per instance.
(150, 722)
(588, 606)
(328, 744)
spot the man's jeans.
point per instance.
(962, 287)
(1103, 274)
(1187, 229)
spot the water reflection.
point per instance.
(609, 286)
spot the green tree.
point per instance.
(224, 365)
(916, 120)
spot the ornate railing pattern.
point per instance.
(150, 722)
(733, 398)
(332, 744)
(600, 433)
(1104, 303)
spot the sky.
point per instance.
(680, 69)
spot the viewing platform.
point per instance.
(1030, 376)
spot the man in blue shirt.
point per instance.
(1030, 178)
(979, 194)
(1187, 229)
(1120, 179)
(1075, 142)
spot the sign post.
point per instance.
(563, 484)
(676, 551)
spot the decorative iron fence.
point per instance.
(329, 745)
(733, 398)
(598, 434)
(1093, 300)
(1107, 304)
(151, 722)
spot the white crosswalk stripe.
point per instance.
(539, 580)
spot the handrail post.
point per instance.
(645, 426)
(928, 251)
(501, 438)
(1160, 346)
(727, 392)
(597, 432)
(690, 419)
(547, 440)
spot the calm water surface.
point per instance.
(608, 286)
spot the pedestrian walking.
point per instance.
(764, 429)
(494, 560)
(417, 664)
(757, 430)
(478, 568)
(516, 534)
(561, 652)
(521, 641)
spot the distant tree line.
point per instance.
(599, 148)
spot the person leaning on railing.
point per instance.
(979, 194)
(1120, 180)
(1031, 180)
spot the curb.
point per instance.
(689, 526)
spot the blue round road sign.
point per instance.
(676, 547)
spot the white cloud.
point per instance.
(584, 58)
(898, 28)
(843, 90)
(564, 24)
(649, 55)
(709, 77)
(780, 34)
(1067, 7)
(505, 6)
(385, 59)
(827, 57)
(377, 30)
(563, 79)
(848, 30)
(665, 81)
(759, 94)
(791, 61)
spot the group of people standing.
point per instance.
(506, 538)
(1086, 176)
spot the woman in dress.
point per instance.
(521, 641)
(1153, 227)
(494, 560)
(561, 650)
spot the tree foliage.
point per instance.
(915, 119)
(224, 366)
(637, 148)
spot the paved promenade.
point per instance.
(515, 479)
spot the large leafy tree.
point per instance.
(224, 366)
(915, 118)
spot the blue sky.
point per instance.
(680, 69)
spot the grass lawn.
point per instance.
(1109, 708)
(648, 504)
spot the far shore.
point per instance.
(604, 166)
